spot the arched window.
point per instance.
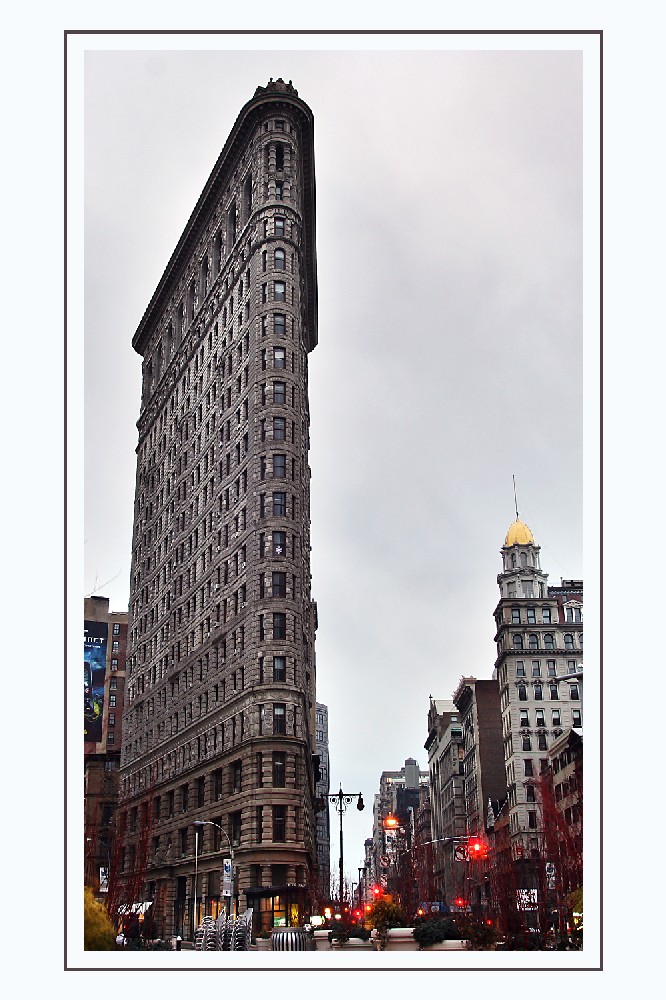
(534, 641)
(517, 642)
(548, 641)
(568, 641)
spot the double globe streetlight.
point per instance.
(209, 822)
(341, 800)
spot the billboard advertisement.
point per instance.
(95, 636)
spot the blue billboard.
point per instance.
(95, 635)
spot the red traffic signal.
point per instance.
(477, 850)
(460, 901)
(376, 891)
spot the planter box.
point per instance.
(402, 939)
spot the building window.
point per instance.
(280, 504)
(568, 641)
(279, 541)
(520, 668)
(542, 741)
(113, 684)
(114, 664)
(279, 584)
(279, 190)
(545, 616)
(522, 692)
(279, 625)
(552, 668)
(279, 428)
(279, 669)
(112, 701)
(110, 737)
(554, 693)
(524, 717)
(279, 291)
(236, 776)
(529, 769)
(527, 743)
(184, 797)
(279, 357)
(576, 718)
(259, 834)
(538, 692)
(279, 260)
(279, 769)
(280, 824)
(531, 820)
(515, 616)
(279, 466)
(531, 616)
(517, 642)
(548, 641)
(279, 392)
(574, 693)
(529, 793)
(235, 828)
(183, 842)
(540, 721)
(280, 719)
(112, 718)
(534, 641)
(279, 225)
(171, 803)
(279, 327)
(115, 646)
(556, 717)
(116, 629)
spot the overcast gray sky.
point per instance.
(449, 245)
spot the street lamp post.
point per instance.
(341, 801)
(209, 822)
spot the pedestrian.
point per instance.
(120, 939)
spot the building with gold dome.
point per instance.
(539, 641)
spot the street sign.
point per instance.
(385, 861)
(226, 877)
(383, 881)
(460, 853)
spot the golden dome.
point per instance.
(519, 534)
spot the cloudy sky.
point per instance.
(450, 356)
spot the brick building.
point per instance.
(105, 646)
(221, 670)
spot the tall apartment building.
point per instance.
(538, 668)
(446, 765)
(104, 656)
(323, 815)
(221, 673)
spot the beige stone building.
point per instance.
(219, 740)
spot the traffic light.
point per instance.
(460, 901)
(477, 850)
(376, 891)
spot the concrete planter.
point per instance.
(263, 944)
(352, 944)
(402, 939)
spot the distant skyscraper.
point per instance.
(221, 674)
(323, 811)
(539, 655)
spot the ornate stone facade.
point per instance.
(221, 676)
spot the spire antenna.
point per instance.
(515, 498)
